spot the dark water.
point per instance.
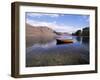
(50, 53)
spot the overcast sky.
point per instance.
(58, 22)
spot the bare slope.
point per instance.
(39, 31)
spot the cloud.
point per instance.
(40, 15)
(53, 15)
(33, 14)
(52, 25)
(86, 18)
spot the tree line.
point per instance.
(83, 32)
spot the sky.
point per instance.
(59, 22)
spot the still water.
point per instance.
(50, 53)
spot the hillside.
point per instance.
(34, 31)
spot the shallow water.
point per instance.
(50, 53)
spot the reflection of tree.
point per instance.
(85, 31)
(82, 35)
(85, 39)
(82, 39)
(78, 38)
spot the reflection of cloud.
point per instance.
(52, 25)
(39, 15)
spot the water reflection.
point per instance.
(77, 39)
(49, 53)
(49, 43)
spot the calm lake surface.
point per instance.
(49, 53)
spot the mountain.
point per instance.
(39, 31)
(62, 33)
